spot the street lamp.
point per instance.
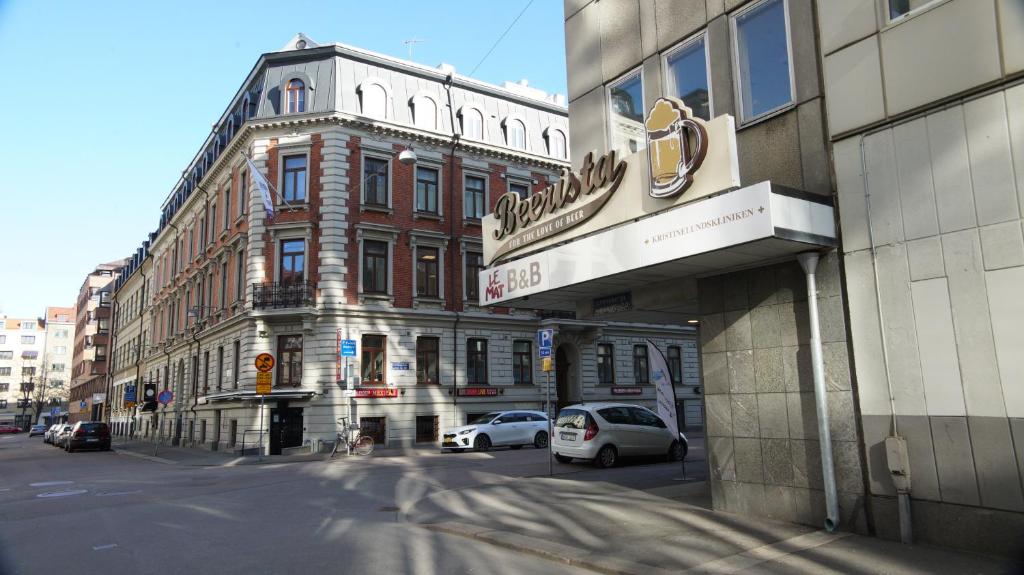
(407, 157)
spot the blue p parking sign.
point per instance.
(545, 337)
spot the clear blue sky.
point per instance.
(103, 104)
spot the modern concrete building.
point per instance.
(57, 363)
(22, 341)
(904, 142)
(92, 343)
(380, 174)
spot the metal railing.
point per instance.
(282, 295)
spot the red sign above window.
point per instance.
(478, 391)
(377, 392)
(635, 390)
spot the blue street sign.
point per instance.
(348, 348)
(545, 337)
(166, 396)
(545, 352)
(54, 411)
(129, 393)
(82, 404)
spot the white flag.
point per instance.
(663, 387)
(264, 186)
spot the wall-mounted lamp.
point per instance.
(407, 156)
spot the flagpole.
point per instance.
(270, 186)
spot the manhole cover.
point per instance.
(388, 508)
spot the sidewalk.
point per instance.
(197, 457)
(608, 528)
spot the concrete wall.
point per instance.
(763, 449)
(931, 212)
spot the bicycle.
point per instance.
(361, 445)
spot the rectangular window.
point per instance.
(426, 428)
(60, 349)
(641, 373)
(3, 339)
(103, 325)
(474, 265)
(239, 274)
(220, 368)
(626, 114)
(3, 404)
(426, 271)
(294, 185)
(761, 52)
(28, 339)
(675, 363)
(375, 427)
(375, 267)
(375, 182)
(213, 224)
(227, 205)
(427, 360)
(522, 362)
(206, 372)
(475, 197)
(292, 262)
(236, 357)
(223, 285)
(426, 190)
(289, 361)
(519, 189)
(57, 367)
(243, 189)
(5, 371)
(374, 356)
(6, 355)
(605, 363)
(688, 77)
(101, 353)
(32, 324)
(476, 361)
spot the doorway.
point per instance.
(285, 428)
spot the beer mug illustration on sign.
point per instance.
(676, 145)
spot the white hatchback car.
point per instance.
(514, 428)
(604, 432)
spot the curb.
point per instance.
(545, 549)
(152, 458)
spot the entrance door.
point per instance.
(562, 366)
(285, 428)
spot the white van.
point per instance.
(604, 432)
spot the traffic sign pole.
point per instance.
(264, 381)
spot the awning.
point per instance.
(241, 395)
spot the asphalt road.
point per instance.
(88, 513)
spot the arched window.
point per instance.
(296, 92)
(472, 124)
(515, 134)
(424, 113)
(245, 108)
(556, 144)
(374, 100)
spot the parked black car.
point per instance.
(88, 435)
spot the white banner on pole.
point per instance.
(663, 387)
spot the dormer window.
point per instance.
(296, 96)
(472, 124)
(373, 98)
(556, 144)
(515, 134)
(424, 113)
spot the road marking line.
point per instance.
(104, 547)
(49, 483)
(62, 493)
(115, 493)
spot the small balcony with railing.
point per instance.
(283, 295)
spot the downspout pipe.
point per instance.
(451, 235)
(809, 263)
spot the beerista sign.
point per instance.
(686, 158)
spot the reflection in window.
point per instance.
(475, 197)
(556, 144)
(515, 134)
(476, 361)
(375, 182)
(472, 124)
(373, 358)
(293, 255)
(626, 99)
(688, 77)
(426, 190)
(762, 56)
(289, 357)
(375, 267)
(374, 101)
(424, 113)
(899, 8)
(426, 271)
(296, 92)
(474, 265)
(427, 359)
(294, 180)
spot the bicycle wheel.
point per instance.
(364, 445)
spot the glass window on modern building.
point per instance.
(474, 265)
(522, 362)
(687, 68)
(375, 267)
(475, 197)
(476, 361)
(426, 190)
(294, 185)
(374, 356)
(296, 92)
(605, 363)
(292, 262)
(520, 189)
(641, 370)
(426, 271)
(626, 114)
(761, 53)
(675, 363)
(289, 361)
(375, 182)
(427, 360)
